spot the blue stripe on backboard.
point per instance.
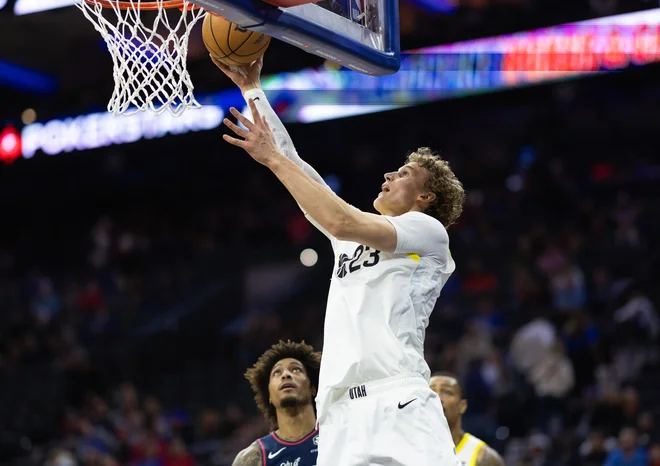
(437, 6)
(314, 38)
(21, 78)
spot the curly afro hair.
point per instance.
(449, 192)
(259, 374)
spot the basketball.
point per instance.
(232, 44)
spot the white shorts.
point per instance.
(394, 422)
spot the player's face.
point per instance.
(450, 395)
(289, 385)
(402, 190)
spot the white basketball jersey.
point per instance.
(468, 449)
(379, 306)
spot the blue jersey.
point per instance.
(278, 452)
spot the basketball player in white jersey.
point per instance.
(470, 450)
(374, 403)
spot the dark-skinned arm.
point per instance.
(251, 456)
(488, 457)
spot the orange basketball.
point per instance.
(232, 44)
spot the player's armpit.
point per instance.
(367, 229)
(488, 457)
(251, 456)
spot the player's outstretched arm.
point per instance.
(251, 456)
(248, 80)
(488, 457)
(327, 210)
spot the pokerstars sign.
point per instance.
(10, 145)
(103, 129)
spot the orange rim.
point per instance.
(124, 5)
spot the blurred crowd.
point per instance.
(552, 312)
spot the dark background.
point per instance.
(138, 282)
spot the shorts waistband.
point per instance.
(375, 387)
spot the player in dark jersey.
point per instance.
(284, 381)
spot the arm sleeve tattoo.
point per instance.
(251, 456)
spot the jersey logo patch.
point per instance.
(272, 454)
(350, 264)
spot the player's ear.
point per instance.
(427, 197)
(462, 406)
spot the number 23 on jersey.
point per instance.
(363, 256)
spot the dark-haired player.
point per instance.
(470, 450)
(284, 381)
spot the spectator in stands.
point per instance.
(553, 378)
(593, 451)
(654, 455)
(647, 430)
(532, 342)
(627, 453)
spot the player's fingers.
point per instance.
(265, 122)
(240, 117)
(253, 108)
(224, 68)
(269, 131)
(234, 141)
(235, 128)
(258, 63)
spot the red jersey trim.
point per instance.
(263, 451)
(284, 442)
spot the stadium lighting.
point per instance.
(26, 7)
(309, 257)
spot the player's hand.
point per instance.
(245, 77)
(258, 140)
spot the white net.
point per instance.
(149, 55)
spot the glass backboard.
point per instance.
(362, 35)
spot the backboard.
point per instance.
(362, 35)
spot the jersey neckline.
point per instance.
(298, 442)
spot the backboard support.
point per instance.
(362, 35)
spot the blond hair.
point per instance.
(449, 192)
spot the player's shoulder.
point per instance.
(250, 456)
(423, 235)
(487, 456)
(427, 223)
(419, 221)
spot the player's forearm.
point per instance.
(282, 138)
(322, 205)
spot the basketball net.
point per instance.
(149, 59)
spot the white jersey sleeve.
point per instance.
(420, 234)
(285, 144)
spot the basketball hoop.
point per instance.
(149, 57)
